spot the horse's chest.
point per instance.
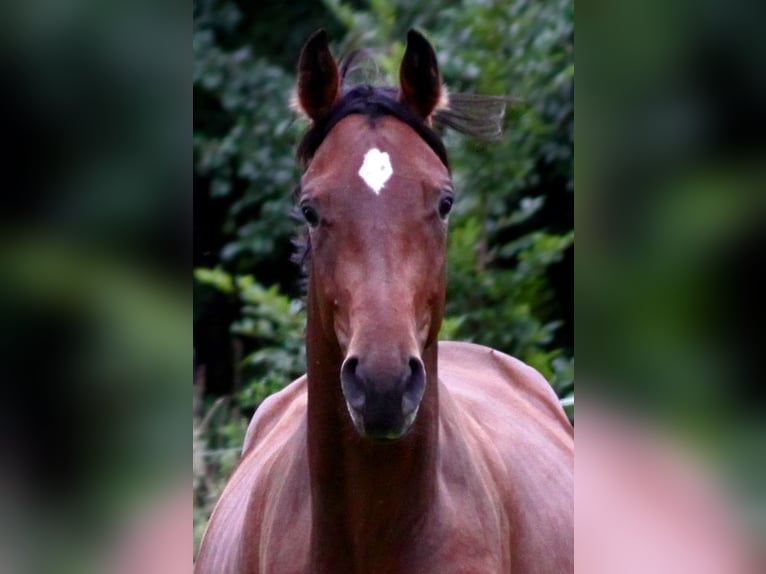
(469, 534)
(448, 543)
(458, 536)
(459, 548)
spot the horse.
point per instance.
(395, 453)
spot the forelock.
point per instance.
(370, 102)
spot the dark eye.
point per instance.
(310, 215)
(445, 205)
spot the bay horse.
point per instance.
(395, 453)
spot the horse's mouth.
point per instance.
(389, 438)
(380, 432)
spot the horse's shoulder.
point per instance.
(489, 379)
(503, 400)
(281, 411)
(498, 406)
(269, 456)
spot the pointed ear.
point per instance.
(318, 78)
(419, 80)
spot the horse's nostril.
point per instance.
(414, 386)
(350, 365)
(416, 366)
(352, 385)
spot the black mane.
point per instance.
(372, 103)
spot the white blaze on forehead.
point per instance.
(376, 169)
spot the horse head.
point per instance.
(376, 196)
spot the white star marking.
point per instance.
(376, 169)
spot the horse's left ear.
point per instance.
(318, 77)
(420, 86)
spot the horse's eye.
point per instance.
(445, 205)
(310, 215)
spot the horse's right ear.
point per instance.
(420, 86)
(318, 78)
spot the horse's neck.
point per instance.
(367, 498)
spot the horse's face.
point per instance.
(376, 198)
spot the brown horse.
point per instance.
(395, 453)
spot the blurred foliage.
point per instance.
(95, 361)
(510, 252)
(274, 323)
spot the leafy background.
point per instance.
(511, 247)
